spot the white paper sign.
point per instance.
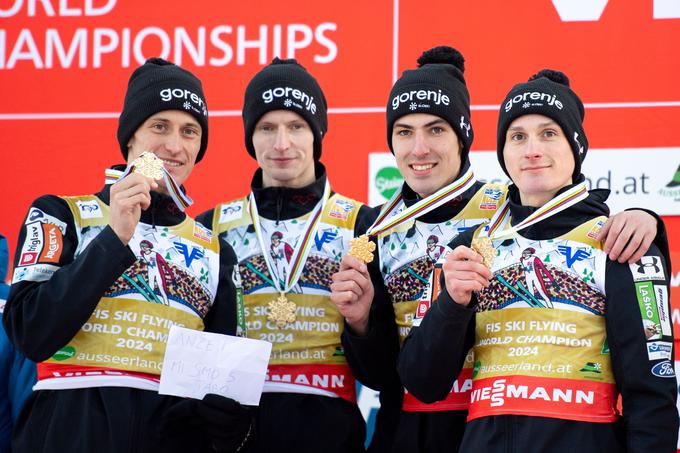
(197, 363)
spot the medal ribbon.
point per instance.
(558, 204)
(182, 200)
(427, 204)
(304, 245)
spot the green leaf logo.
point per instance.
(67, 352)
(388, 180)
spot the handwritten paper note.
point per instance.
(197, 363)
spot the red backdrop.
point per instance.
(64, 66)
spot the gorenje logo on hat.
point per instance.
(550, 99)
(288, 92)
(168, 94)
(420, 95)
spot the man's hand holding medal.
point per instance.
(466, 271)
(132, 194)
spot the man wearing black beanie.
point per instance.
(99, 279)
(289, 234)
(429, 130)
(560, 332)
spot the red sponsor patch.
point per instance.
(336, 379)
(458, 398)
(28, 258)
(423, 306)
(569, 399)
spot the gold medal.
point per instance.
(149, 165)
(281, 311)
(482, 245)
(361, 248)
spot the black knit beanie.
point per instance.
(546, 93)
(436, 87)
(156, 86)
(285, 85)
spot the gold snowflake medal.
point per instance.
(362, 248)
(149, 165)
(482, 245)
(281, 311)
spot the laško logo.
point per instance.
(420, 95)
(288, 92)
(550, 99)
(169, 94)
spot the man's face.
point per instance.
(427, 151)
(538, 158)
(174, 137)
(284, 149)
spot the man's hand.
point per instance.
(352, 293)
(227, 424)
(129, 197)
(464, 273)
(628, 235)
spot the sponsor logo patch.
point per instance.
(663, 369)
(341, 209)
(648, 310)
(231, 211)
(189, 254)
(663, 307)
(293, 97)
(490, 199)
(34, 273)
(595, 230)
(533, 98)
(202, 232)
(327, 235)
(89, 209)
(420, 99)
(53, 246)
(573, 255)
(647, 268)
(37, 215)
(197, 103)
(33, 244)
(659, 350)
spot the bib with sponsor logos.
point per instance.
(540, 345)
(173, 282)
(407, 259)
(307, 355)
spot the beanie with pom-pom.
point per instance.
(436, 87)
(546, 93)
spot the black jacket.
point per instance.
(42, 317)
(373, 359)
(433, 354)
(293, 421)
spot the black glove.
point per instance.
(227, 424)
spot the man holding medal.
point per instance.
(309, 399)
(83, 307)
(547, 375)
(430, 133)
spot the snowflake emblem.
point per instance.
(287, 103)
(186, 105)
(413, 106)
(526, 105)
(281, 311)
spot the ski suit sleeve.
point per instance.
(53, 296)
